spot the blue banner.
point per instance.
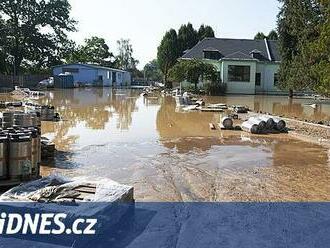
(165, 225)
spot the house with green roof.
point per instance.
(245, 66)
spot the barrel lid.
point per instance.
(11, 130)
(20, 137)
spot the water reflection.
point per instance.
(87, 110)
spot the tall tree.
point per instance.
(187, 37)
(95, 51)
(298, 23)
(152, 71)
(205, 32)
(272, 35)
(320, 52)
(260, 36)
(168, 53)
(34, 30)
(125, 59)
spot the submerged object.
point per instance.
(250, 127)
(3, 156)
(227, 122)
(212, 126)
(240, 109)
(218, 106)
(20, 156)
(35, 151)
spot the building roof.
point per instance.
(238, 56)
(91, 66)
(236, 49)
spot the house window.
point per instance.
(215, 55)
(108, 74)
(238, 73)
(276, 79)
(258, 79)
(70, 70)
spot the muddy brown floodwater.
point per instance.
(172, 156)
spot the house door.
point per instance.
(114, 78)
(100, 81)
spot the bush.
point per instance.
(214, 88)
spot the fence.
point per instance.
(26, 81)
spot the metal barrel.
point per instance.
(35, 121)
(7, 124)
(270, 123)
(3, 155)
(7, 119)
(250, 127)
(2, 105)
(50, 113)
(44, 113)
(20, 145)
(280, 124)
(257, 121)
(19, 119)
(227, 122)
(35, 151)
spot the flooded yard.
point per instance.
(171, 156)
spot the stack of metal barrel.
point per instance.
(20, 146)
(47, 113)
(264, 124)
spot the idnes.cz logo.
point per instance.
(44, 224)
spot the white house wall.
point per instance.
(240, 87)
(267, 71)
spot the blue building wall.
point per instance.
(85, 74)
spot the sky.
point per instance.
(145, 22)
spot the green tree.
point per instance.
(187, 37)
(319, 51)
(260, 36)
(298, 23)
(34, 31)
(205, 32)
(125, 59)
(152, 71)
(272, 35)
(168, 53)
(94, 51)
(193, 71)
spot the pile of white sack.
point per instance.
(264, 124)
